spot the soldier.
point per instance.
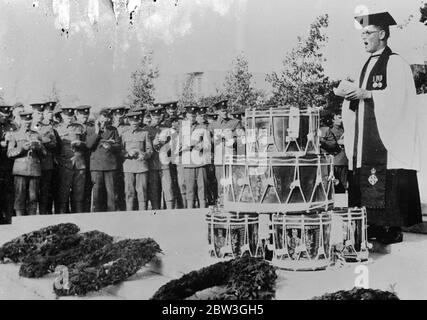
(16, 110)
(212, 189)
(104, 143)
(239, 146)
(222, 131)
(71, 163)
(49, 139)
(171, 110)
(7, 127)
(82, 113)
(160, 180)
(196, 155)
(26, 147)
(119, 122)
(137, 149)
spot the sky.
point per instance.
(92, 65)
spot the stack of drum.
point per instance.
(278, 198)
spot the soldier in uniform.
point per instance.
(196, 155)
(137, 149)
(223, 131)
(26, 147)
(7, 127)
(239, 134)
(49, 139)
(104, 142)
(119, 122)
(71, 163)
(212, 189)
(82, 113)
(160, 180)
(171, 110)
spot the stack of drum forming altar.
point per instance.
(278, 198)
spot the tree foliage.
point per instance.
(142, 82)
(302, 81)
(238, 87)
(423, 11)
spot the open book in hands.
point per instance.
(344, 88)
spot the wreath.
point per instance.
(358, 294)
(62, 251)
(87, 261)
(109, 265)
(244, 278)
(18, 249)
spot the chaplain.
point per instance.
(379, 120)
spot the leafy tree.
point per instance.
(423, 11)
(238, 87)
(302, 81)
(188, 95)
(142, 87)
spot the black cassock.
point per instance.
(391, 196)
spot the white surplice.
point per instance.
(396, 115)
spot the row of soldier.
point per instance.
(58, 160)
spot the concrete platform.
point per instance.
(182, 234)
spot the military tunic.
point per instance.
(103, 165)
(195, 157)
(6, 178)
(49, 138)
(71, 160)
(120, 180)
(137, 149)
(223, 132)
(26, 169)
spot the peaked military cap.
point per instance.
(5, 108)
(105, 112)
(38, 106)
(26, 115)
(191, 109)
(67, 111)
(83, 109)
(135, 115)
(223, 104)
(155, 110)
(50, 105)
(238, 114)
(170, 104)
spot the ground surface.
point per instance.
(182, 236)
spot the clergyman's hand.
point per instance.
(358, 94)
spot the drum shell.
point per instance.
(229, 229)
(302, 242)
(279, 184)
(279, 127)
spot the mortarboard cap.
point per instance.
(382, 19)
(202, 109)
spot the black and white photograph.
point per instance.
(213, 150)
